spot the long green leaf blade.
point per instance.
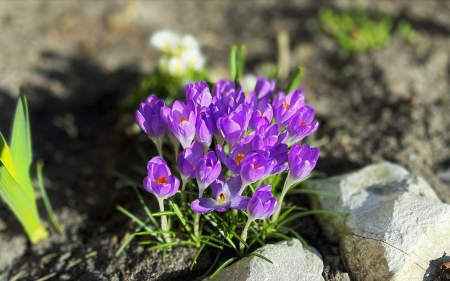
(6, 157)
(223, 266)
(296, 79)
(21, 148)
(48, 206)
(22, 207)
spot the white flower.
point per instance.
(248, 82)
(177, 66)
(188, 42)
(193, 59)
(164, 40)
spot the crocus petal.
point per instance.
(203, 205)
(240, 203)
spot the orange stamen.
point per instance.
(262, 113)
(303, 123)
(286, 105)
(221, 198)
(239, 158)
(225, 93)
(255, 167)
(182, 119)
(192, 165)
(161, 180)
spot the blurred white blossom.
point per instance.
(248, 82)
(179, 54)
(176, 66)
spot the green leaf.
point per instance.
(22, 207)
(21, 148)
(240, 61)
(197, 255)
(307, 213)
(225, 264)
(312, 191)
(295, 81)
(259, 256)
(6, 157)
(47, 204)
(233, 64)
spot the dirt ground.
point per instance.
(76, 60)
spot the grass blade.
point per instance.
(197, 255)
(133, 218)
(225, 264)
(296, 79)
(233, 64)
(312, 191)
(259, 256)
(47, 204)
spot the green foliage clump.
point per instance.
(354, 30)
(16, 187)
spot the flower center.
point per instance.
(303, 123)
(221, 198)
(162, 180)
(192, 165)
(255, 167)
(286, 105)
(239, 158)
(262, 113)
(182, 119)
(225, 93)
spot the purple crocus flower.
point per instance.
(204, 128)
(181, 121)
(233, 126)
(188, 159)
(284, 107)
(264, 87)
(225, 196)
(242, 148)
(255, 167)
(207, 170)
(199, 93)
(280, 154)
(223, 87)
(268, 134)
(160, 181)
(149, 119)
(301, 125)
(302, 160)
(262, 205)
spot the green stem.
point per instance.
(244, 236)
(197, 224)
(164, 224)
(158, 143)
(280, 200)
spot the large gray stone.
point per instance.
(291, 262)
(396, 229)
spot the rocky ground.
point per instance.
(77, 60)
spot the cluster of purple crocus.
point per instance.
(230, 140)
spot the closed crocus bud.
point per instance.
(301, 125)
(254, 168)
(207, 170)
(199, 93)
(225, 197)
(264, 87)
(284, 107)
(262, 205)
(204, 129)
(233, 126)
(160, 181)
(188, 159)
(222, 88)
(149, 119)
(302, 160)
(280, 154)
(181, 121)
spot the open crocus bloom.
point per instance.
(225, 197)
(160, 181)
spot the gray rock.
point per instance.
(291, 262)
(396, 229)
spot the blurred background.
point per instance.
(376, 72)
